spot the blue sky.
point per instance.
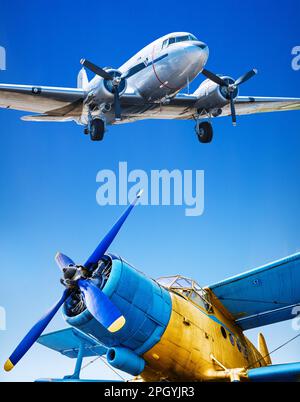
(48, 171)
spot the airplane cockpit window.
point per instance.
(187, 288)
(192, 37)
(167, 281)
(176, 39)
(183, 38)
(165, 43)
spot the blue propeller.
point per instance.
(77, 278)
(100, 306)
(108, 239)
(63, 261)
(34, 333)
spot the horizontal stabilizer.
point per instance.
(68, 341)
(263, 296)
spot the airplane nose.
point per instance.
(198, 53)
(204, 51)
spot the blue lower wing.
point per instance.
(68, 342)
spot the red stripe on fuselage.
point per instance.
(163, 84)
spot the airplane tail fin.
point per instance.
(263, 349)
(82, 79)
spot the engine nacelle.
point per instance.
(145, 305)
(104, 89)
(213, 96)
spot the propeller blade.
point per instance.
(100, 306)
(96, 69)
(215, 78)
(232, 108)
(34, 333)
(108, 239)
(63, 261)
(117, 104)
(245, 77)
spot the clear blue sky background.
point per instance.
(48, 171)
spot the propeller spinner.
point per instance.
(77, 278)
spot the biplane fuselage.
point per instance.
(193, 347)
(174, 329)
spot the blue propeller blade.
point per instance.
(108, 239)
(63, 261)
(100, 306)
(96, 301)
(34, 333)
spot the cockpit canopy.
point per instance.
(187, 288)
(175, 39)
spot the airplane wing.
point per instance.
(184, 107)
(62, 104)
(68, 341)
(257, 104)
(51, 101)
(263, 296)
(277, 372)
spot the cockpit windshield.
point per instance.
(187, 288)
(176, 39)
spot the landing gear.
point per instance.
(96, 129)
(204, 132)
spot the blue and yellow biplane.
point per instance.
(169, 329)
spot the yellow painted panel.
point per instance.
(190, 340)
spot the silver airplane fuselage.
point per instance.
(161, 69)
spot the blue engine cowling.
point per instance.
(146, 307)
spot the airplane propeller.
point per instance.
(78, 278)
(231, 87)
(116, 81)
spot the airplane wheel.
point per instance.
(204, 132)
(97, 130)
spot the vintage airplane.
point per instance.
(168, 329)
(146, 87)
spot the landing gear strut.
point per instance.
(96, 129)
(204, 132)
